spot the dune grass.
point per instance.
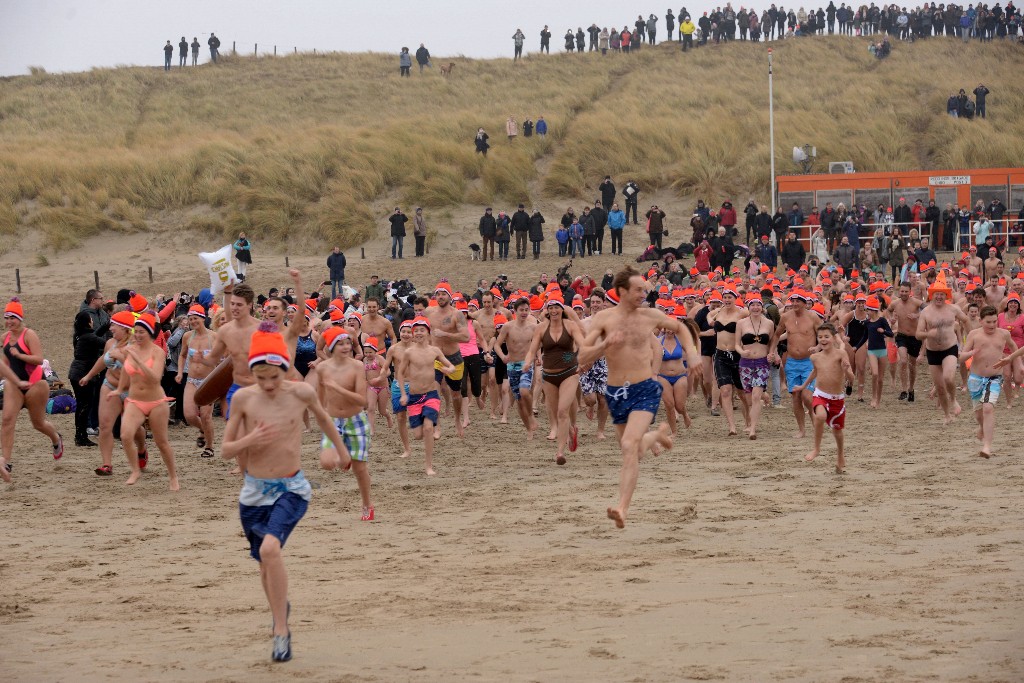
(300, 148)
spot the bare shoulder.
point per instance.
(303, 391)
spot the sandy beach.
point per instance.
(740, 561)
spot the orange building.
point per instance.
(956, 186)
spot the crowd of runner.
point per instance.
(411, 361)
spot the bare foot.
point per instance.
(657, 441)
(617, 517)
(799, 435)
(437, 433)
(135, 476)
(405, 454)
(493, 416)
(4, 474)
(984, 454)
(175, 486)
(753, 436)
(551, 435)
(957, 409)
(811, 456)
(590, 413)
(840, 470)
(237, 470)
(600, 436)
(840, 464)
(686, 420)
(732, 432)
(503, 420)
(431, 472)
(560, 459)
(947, 420)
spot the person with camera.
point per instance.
(632, 193)
(398, 221)
(655, 225)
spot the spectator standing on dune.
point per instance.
(404, 62)
(481, 141)
(195, 50)
(518, 38)
(182, 52)
(423, 57)
(336, 263)
(214, 45)
(542, 126)
(545, 40)
(511, 128)
(168, 54)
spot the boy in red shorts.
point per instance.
(831, 373)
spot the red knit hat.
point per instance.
(372, 343)
(421, 321)
(268, 347)
(14, 310)
(198, 310)
(123, 319)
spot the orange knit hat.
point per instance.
(137, 302)
(123, 319)
(14, 310)
(268, 346)
(333, 336)
(197, 310)
(372, 343)
(147, 322)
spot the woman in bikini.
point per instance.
(557, 340)
(376, 399)
(23, 370)
(707, 349)
(673, 373)
(1012, 320)
(198, 340)
(877, 330)
(110, 411)
(753, 335)
(727, 361)
(140, 377)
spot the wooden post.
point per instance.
(296, 50)
(96, 277)
(233, 50)
(17, 279)
(151, 274)
(286, 262)
(275, 50)
(255, 49)
(362, 252)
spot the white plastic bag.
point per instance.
(218, 263)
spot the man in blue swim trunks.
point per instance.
(802, 327)
(623, 334)
(264, 434)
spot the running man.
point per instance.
(936, 329)
(623, 334)
(264, 434)
(448, 329)
(391, 360)
(517, 336)
(907, 310)
(800, 327)
(985, 346)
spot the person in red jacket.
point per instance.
(702, 256)
(584, 285)
(727, 218)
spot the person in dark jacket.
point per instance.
(902, 216)
(195, 50)
(762, 224)
(767, 252)
(481, 142)
(600, 217)
(924, 254)
(398, 221)
(655, 225)
(979, 98)
(933, 215)
(336, 266)
(780, 225)
(214, 44)
(845, 256)
(589, 232)
(488, 229)
(607, 188)
(632, 194)
(536, 232)
(750, 211)
(423, 57)
(182, 52)
(792, 252)
(89, 343)
(521, 228)
(168, 55)
(502, 234)
(528, 128)
(94, 305)
(722, 250)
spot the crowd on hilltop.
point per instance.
(723, 24)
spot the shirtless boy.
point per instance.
(907, 310)
(233, 339)
(800, 325)
(422, 401)
(832, 371)
(517, 336)
(264, 434)
(986, 345)
(623, 334)
(391, 360)
(936, 329)
(341, 388)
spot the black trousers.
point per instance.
(85, 397)
(473, 370)
(177, 392)
(616, 241)
(421, 242)
(631, 205)
(600, 240)
(656, 239)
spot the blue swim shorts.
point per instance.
(272, 507)
(797, 372)
(518, 380)
(643, 396)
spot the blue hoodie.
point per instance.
(616, 219)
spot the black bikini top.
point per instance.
(729, 327)
(751, 338)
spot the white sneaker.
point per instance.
(92, 432)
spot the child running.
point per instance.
(832, 371)
(374, 369)
(984, 347)
(341, 387)
(421, 399)
(877, 329)
(264, 434)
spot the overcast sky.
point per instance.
(76, 35)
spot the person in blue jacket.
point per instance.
(541, 127)
(616, 222)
